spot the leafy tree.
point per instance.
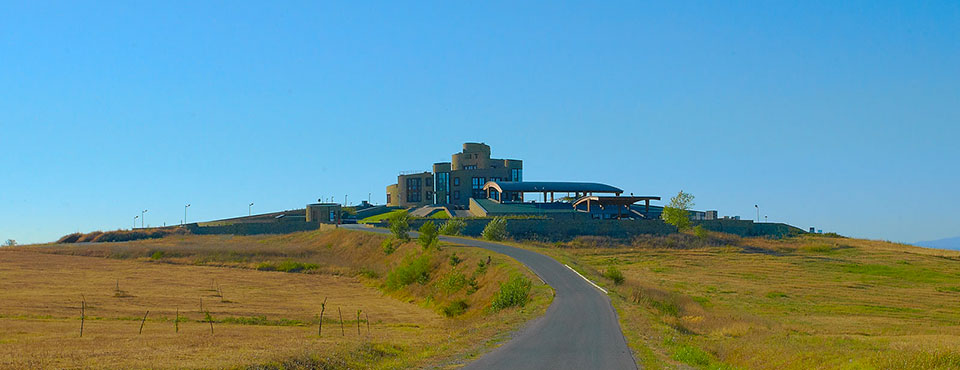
(429, 236)
(400, 225)
(676, 213)
(454, 226)
(10, 243)
(496, 229)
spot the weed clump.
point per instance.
(455, 308)
(614, 274)
(515, 292)
(452, 283)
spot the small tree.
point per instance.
(400, 225)
(453, 226)
(10, 243)
(496, 229)
(676, 213)
(429, 236)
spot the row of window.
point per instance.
(443, 182)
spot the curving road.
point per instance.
(578, 331)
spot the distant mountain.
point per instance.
(948, 243)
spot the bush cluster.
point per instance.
(400, 225)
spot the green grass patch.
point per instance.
(900, 272)
(441, 215)
(948, 289)
(287, 266)
(776, 294)
(381, 217)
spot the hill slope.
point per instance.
(807, 302)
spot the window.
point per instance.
(456, 181)
(471, 167)
(443, 185)
(516, 174)
(413, 190)
(388, 198)
(456, 194)
(429, 182)
(495, 179)
(477, 187)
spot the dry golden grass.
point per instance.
(263, 317)
(801, 303)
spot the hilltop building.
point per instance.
(454, 182)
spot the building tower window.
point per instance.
(413, 190)
(516, 174)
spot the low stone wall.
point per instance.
(560, 229)
(749, 228)
(254, 228)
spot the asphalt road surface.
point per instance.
(578, 331)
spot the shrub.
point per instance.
(400, 225)
(700, 233)
(453, 227)
(389, 246)
(455, 308)
(412, 270)
(496, 229)
(452, 283)
(613, 273)
(157, 255)
(428, 235)
(454, 260)
(515, 292)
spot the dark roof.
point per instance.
(551, 186)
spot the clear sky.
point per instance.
(840, 115)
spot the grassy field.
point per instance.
(801, 303)
(261, 315)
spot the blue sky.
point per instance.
(845, 117)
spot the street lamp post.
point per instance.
(758, 212)
(250, 209)
(135, 222)
(142, 218)
(344, 199)
(185, 215)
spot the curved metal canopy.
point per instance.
(551, 186)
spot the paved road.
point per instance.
(578, 331)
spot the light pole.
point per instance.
(135, 222)
(344, 199)
(765, 218)
(141, 218)
(185, 214)
(758, 212)
(250, 209)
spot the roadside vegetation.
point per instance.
(262, 297)
(718, 301)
